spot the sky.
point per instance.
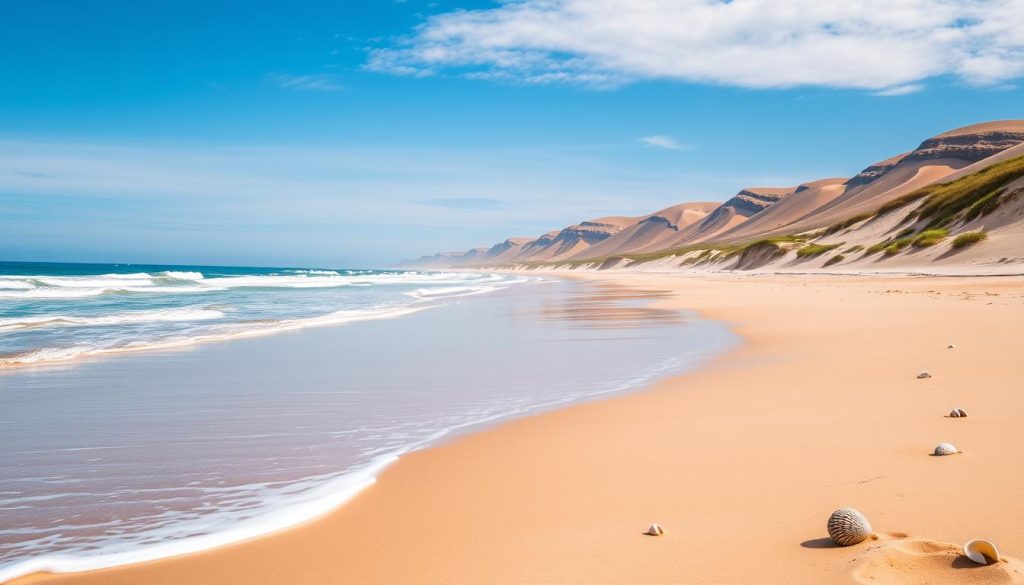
(358, 133)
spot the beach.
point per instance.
(742, 461)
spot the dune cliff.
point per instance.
(908, 212)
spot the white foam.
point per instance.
(229, 331)
(449, 292)
(315, 503)
(71, 287)
(154, 316)
(301, 507)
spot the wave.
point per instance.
(450, 292)
(223, 333)
(41, 287)
(329, 493)
(154, 316)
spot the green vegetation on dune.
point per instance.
(875, 248)
(811, 250)
(708, 252)
(848, 222)
(930, 237)
(897, 246)
(835, 260)
(968, 197)
(969, 238)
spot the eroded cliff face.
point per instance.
(758, 212)
(590, 232)
(970, 146)
(750, 201)
(874, 171)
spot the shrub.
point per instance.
(969, 238)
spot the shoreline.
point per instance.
(615, 304)
(531, 501)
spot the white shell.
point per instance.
(655, 530)
(847, 526)
(981, 551)
(957, 413)
(924, 375)
(944, 449)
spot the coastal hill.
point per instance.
(952, 204)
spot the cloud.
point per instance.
(661, 141)
(320, 82)
(471, 203)
(874, 45)
(900, 90)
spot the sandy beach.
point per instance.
(742, 462)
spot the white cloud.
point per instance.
(900, 90)
(661, 141)
(320, 82)
(877, 45)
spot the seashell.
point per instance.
(655, 530)
(944, 449)
(981, 551)
(951, 346)
(847, 526)
(957, 413)
(923, 375)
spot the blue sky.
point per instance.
(335, 133)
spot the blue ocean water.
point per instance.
(148, 411)
(57, 312)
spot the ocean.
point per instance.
(147, 411)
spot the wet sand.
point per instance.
(741, 462)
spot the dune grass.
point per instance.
(969, 238)
(708, 252)
(848, 222)
(968, 197)
(896, 246)
(812, 250)
(835, 260)
(853, 249)
(875, 248)
(930, 237)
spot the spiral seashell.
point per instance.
(981, 551)
(944, 449)
(923, 375)
(655, 530)
(957, 413)
(847, 526)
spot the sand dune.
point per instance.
(564, 243)
(804, 200)
(757, 213)
(653, 232)
(732, 213)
